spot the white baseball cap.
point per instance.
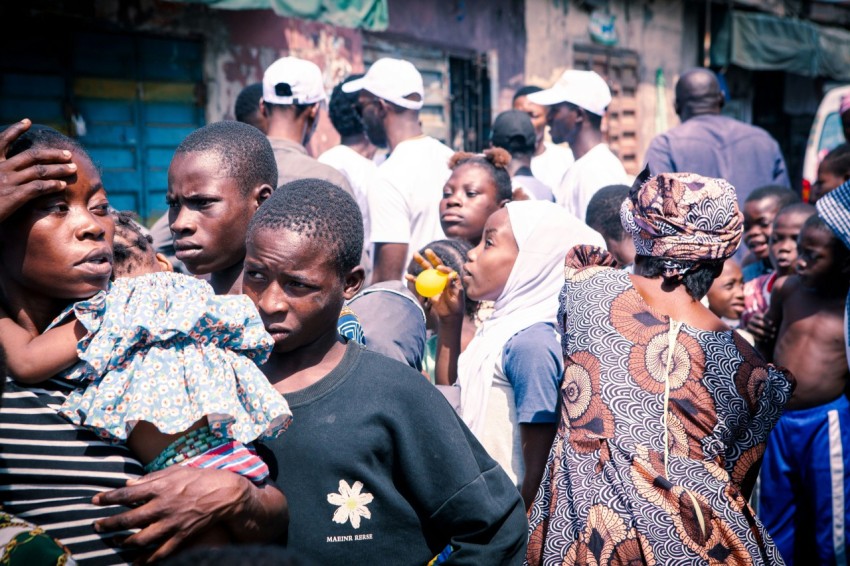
(585, 89)
(392, 80)
(291, 80)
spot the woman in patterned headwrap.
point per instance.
(664, 409)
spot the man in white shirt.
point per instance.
(577, 103)
(353, 157)
(404, 202)
(550, 161)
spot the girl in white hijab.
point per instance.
(510, 372)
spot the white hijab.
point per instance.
(544, 233)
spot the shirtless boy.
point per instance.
(782, 247)
(803, 471)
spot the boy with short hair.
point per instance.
(808, 452)
(603, 215)
(247, 109)
(759, 210)
(782, 253)
(725, 297)
(218, 177)
(376, 466)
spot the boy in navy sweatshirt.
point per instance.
(376, 466)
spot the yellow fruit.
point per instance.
(431, 282)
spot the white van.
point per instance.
(826, 134)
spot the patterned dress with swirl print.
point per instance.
(656, 446)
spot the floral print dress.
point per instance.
(165, 349)
(656, 445)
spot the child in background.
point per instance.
(804, 481)
(603, 215)
(510, 371)
(833, 171)
(451, 253)
(726, 294)
(162, 363)
(782, 246)
(725, 297)
(479, 186)
(759, 211)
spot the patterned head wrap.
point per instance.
(683, 218)
(834, 209)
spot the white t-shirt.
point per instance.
(361, 173)
(549, 167)
(533, 188)
(404, 203)
(595, 169)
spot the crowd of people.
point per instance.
(614, 369)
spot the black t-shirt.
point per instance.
(378, 468)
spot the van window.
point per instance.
(832, 134)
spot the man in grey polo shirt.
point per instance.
(293, 94)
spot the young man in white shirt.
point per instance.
(550, 161)
(404, 202)
(354, 158)
(577, 103)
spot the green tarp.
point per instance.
(835, 54)
(367, 14)
(762, 42)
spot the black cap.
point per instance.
(514, 131)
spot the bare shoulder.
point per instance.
(779, 283)
(785, 287)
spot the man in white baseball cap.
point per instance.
(293, 94)
(404, 202)
(577, 103)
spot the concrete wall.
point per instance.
(496, 27)
(662, 32)
(252, 40)
(528, 41)
(248, 41)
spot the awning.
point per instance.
(762, 42)
(372, 15)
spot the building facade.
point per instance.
(132, 77)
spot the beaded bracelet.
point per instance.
(189, 445)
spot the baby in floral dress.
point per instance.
(162, 362)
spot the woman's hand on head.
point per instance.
(450, 302)
(31, 173)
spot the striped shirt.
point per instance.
(50, 469)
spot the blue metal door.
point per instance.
(135, 99)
